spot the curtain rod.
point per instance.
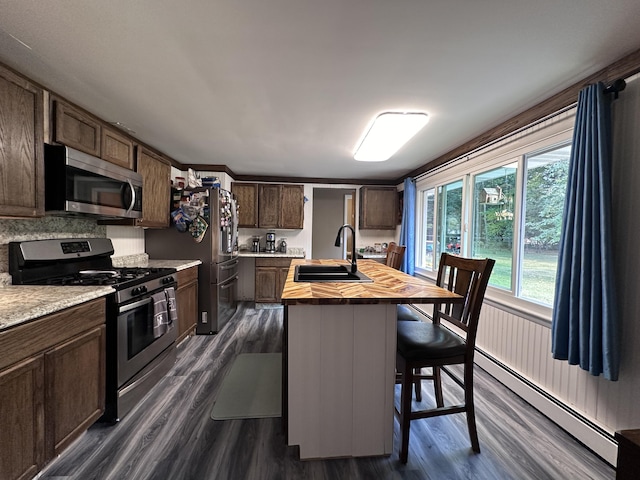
(497, 140)
(616, 87)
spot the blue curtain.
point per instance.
(584, 327)
(408, 226)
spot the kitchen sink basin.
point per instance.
(328, 273)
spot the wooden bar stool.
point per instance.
(395, 255)
(432, 344)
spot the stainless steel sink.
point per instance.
(328, 273)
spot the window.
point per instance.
(428, 253)
(505, 204)
(449, 225)
(493, 221)
(546, 184)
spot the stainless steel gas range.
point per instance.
(141, 321)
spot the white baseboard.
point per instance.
(596, 439)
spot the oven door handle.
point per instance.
(135, 305)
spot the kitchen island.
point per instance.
(339, 351)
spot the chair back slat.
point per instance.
(395, 255)
(467, 277)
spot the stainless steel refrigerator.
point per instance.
(217, 249)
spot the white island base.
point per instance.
(341, 377)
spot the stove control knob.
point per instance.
(139, 290)
(166, 280)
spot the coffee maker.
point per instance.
(271, 242)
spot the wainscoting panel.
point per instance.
(523, 348)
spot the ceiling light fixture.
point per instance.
(388, 132)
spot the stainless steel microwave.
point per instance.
(81, 184)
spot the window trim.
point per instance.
(554, 132)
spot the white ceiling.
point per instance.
(286, 87)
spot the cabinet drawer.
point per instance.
(187, 276)
(36, 336)
(273, 262)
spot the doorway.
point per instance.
(332, 208)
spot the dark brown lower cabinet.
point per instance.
(187, 300)
(271, 274)
(74, 389)
(22, 419)
(628, 465)
(52, 378)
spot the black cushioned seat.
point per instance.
(419, 340)
(406, 313)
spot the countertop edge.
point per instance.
(177, 264)
(22, 303)
(270, 255)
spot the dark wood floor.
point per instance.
(170, 434)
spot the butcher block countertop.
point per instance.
(389, 286)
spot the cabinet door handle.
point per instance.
(133, 196)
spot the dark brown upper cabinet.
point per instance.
(270, 205)
(156, 194)
(280, 206)
(247, 197)
(82, 131)
(76, 129)
(21, 146)
(378, 208)
(117, 148)
(292, 206)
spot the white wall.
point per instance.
(126, 240)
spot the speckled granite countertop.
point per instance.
(289, 254)
(21, 303)
(143, 260)
(177, 264)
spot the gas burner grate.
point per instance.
(79, 280)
